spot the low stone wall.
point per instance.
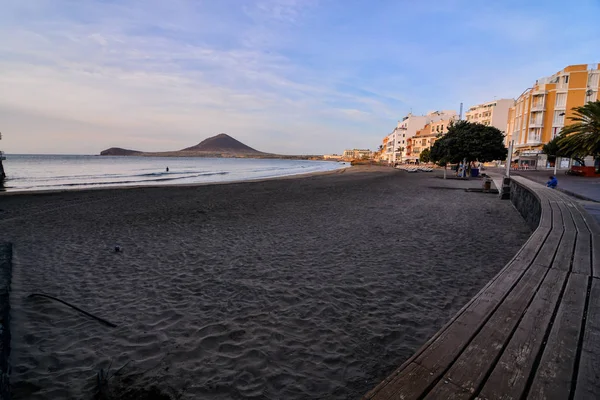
(527, 203)
(5, 279)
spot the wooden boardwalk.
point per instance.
(533, 332)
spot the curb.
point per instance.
(579, 196)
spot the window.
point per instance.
(566, 79)
(593, 80)
(559, 118)
(561, 100)
(442, 128)
(424, 142)
(403, 135)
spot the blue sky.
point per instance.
(283, 76)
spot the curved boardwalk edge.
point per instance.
(533, 331)
(5, 280)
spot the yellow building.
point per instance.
(542, 111)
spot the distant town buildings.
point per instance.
(332, 157)
(535, 118)
(395, 147)
(540, 112)
(356, 154)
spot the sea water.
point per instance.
(63, 172)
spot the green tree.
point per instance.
(470, 142)
(582, 137)
(440, 153)
(425, 156)
(553, 149)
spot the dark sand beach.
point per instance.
(307, 288)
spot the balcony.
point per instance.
(536, 124)
(540, 90)
(538, 107)
(534, 140)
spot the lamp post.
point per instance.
(556, 156)
(509, 158)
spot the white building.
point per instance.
(395, 143)
(493, 113)
(357, 154)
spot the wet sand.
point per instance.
(307, 288)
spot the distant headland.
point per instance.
(221, 146)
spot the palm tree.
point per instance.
(583, 135)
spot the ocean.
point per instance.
(65, 172)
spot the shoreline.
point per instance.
(180, 185)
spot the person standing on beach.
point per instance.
(167, 169)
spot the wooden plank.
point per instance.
(588, 378)
(509, 377)
(411, 384)
(564, 253)
(554, 376)
(546, 254)
(472, 366)
(596, 255)
(546, 213)
(582, 263)
(532, 247)
(568, 223)
(594, 228)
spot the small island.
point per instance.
(219, 146)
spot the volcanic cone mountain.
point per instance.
(222, 143)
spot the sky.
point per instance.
(282, 76)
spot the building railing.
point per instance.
(538, 107)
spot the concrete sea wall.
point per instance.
(527, 203)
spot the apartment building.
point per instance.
(426, 137)
(493, 113)
(540, 113)
(356, 154)
(395, 144)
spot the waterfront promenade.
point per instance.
(532, 331)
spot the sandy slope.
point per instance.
(300, 288)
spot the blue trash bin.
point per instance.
(474, 172)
